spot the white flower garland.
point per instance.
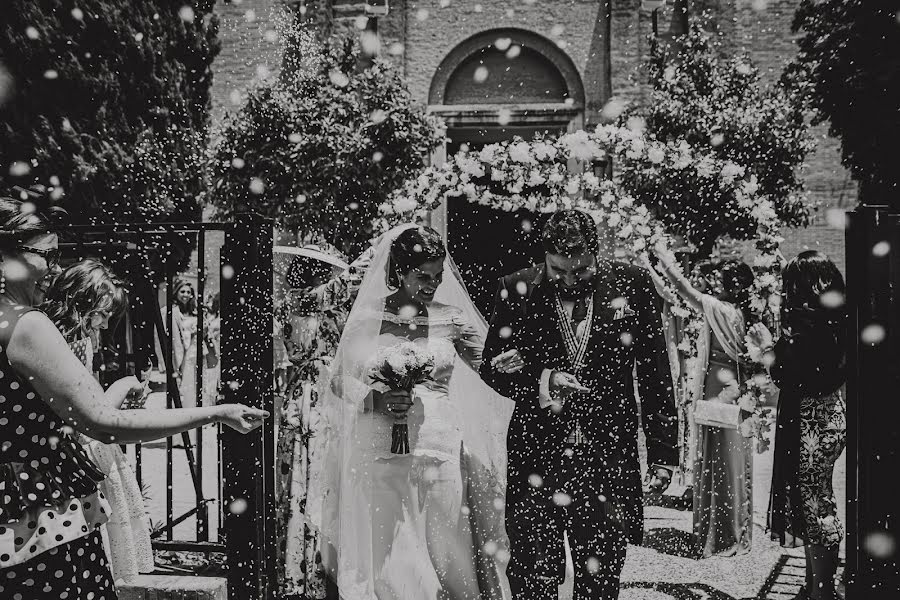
(536, 176)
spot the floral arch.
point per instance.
(548, 174)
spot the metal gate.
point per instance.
(243, 520)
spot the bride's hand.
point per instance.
(397, 402)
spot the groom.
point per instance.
(564, 341)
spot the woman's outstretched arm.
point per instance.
(38, 352)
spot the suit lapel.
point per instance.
(543, 311)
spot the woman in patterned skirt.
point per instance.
(50, 506)
(808, 365)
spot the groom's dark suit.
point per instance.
(591, 490)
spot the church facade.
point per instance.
(495, 69)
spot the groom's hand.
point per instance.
(508, 362)
(563, 384)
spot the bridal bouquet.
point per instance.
(401, 367)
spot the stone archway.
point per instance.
(505, 82)
(493, 86)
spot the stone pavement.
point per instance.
(661, 569)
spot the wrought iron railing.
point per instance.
(243, 523)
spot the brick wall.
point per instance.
(249, 50)
(418, 34)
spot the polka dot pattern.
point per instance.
(75, 571)
(47, 481)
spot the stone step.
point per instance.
(174, 587)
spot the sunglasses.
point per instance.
(51, 256)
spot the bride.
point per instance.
(427, 525)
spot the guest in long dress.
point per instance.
(809, 365)
(51, 508)
(723, 471)
(81, 302)
(184, 339)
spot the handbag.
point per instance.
(715, 413)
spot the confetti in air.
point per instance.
(881, 249)
(872, 334)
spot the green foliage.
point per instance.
(848, 69)
(719, 106)
(323, 146)
(109, 103)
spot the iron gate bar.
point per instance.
(249, 490)
(168, 527)
(176, 546)
(203, 513)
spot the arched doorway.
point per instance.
(492, 87)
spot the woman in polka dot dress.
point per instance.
(81, 302)
(50, 505)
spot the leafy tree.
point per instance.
(720, 107)
(848, 68)
(108, 102)
(322, 146)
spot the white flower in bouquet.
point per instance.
(614, 219)
(591, 181)
(572, 186)
(750, 426)
(550, 207)
(385, 208)
(497, 175)
(748, 402)
(555, 177)
(626, 232)
(639, 244)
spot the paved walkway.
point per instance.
(662, 569)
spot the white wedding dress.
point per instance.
(427, 525)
